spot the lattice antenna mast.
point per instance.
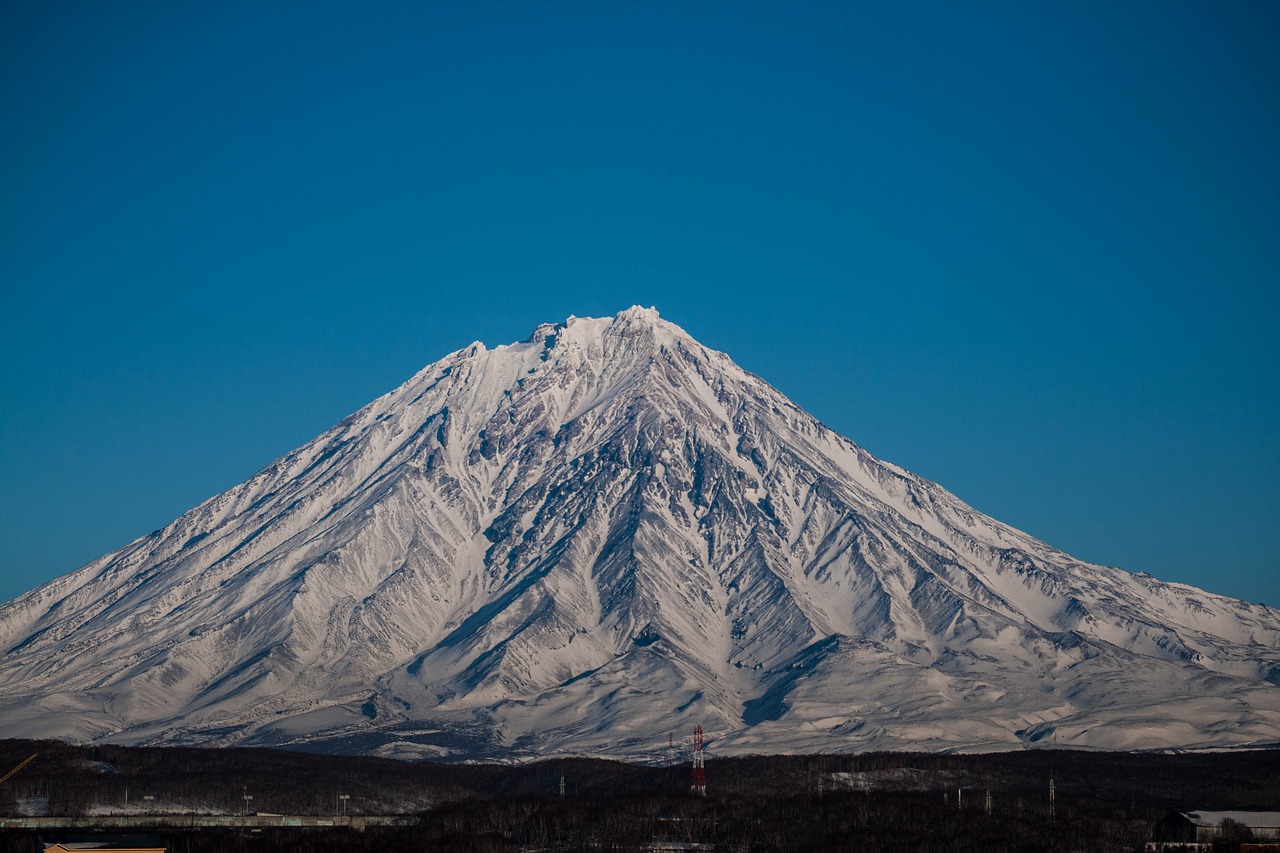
(699, 785)
(671, 749)
(1052, 810)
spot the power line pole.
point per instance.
(699, 785)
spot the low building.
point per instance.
(1200, 830)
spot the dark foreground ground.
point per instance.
(874, 802)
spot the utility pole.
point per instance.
(342, 798)
(699, 785)
(246, 797)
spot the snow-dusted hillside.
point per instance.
(600, 535)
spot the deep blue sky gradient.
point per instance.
(1028, 250)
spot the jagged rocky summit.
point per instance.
(605, 533)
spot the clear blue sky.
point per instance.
(1028, 250)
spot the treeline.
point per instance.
(876, 802)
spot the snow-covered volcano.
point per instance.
(606, 533)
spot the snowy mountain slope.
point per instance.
(607, 532)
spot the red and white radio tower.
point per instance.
(699, 785)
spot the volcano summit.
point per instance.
(607, 532)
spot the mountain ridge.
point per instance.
(599, 534)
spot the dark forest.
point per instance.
(880, 801)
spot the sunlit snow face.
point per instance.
(608, 530)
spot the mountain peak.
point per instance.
(630, 321)
(603, 533)
(638, 314)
